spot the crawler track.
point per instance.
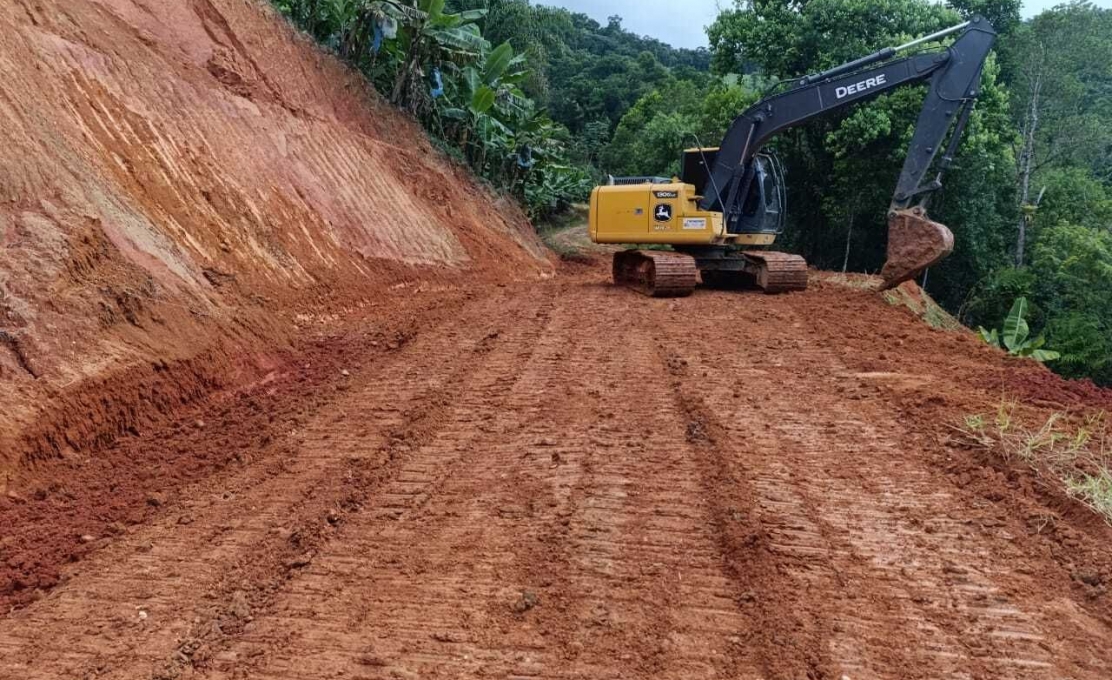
(778, 272)
(655, 273)
(563, 480)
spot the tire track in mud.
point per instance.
(631, 579)
(784, 637)
(863, 541)
(165, 598)
(573, 481)
(534, 536)
(629, 574)
(397, 583)
(651, 596)
(391, 555)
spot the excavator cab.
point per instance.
(762, 211)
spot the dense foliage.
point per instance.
(543, 103)
(526, 95)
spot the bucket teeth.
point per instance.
(655, 273)
(914, 243)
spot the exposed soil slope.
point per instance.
(186, 186)
(569, 480)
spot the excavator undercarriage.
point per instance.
(675, 274)
(656, 273)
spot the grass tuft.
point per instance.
(1073, 451)
(1094, 491)
(857, 281)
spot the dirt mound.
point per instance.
(907, 295)
(187, 188)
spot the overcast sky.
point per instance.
(684, 28)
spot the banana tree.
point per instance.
(325, 20)
(537, 144)
(436, 39)
(354, 28)
(554, 187)
(1016, 338)
(381, 20)
(489, 101)
(359, 25)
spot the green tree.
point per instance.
(1071, 195)
(1072, 280)
(489, 95)
(1069, 284)
(1060, 69)
(434, 39)
(788, 38)
(434, 60)
(652, 134)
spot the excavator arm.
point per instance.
(954, 76)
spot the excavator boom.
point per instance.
(731, 199)
(954, 76)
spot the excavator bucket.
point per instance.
(914, 243)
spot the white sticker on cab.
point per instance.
(695, 223)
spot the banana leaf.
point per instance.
(1015, 326)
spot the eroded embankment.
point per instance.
(187, 188)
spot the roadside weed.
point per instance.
(1073, 450)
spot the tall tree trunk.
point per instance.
(465, 139)
(849, 236)
(1026, 167)
(408, 69)
(401, 81)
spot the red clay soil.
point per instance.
(287, 395)
(71, 503)
(566, 479)
(188, 189)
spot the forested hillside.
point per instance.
(544, 103)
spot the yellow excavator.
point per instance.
(730, 200)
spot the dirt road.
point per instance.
(570, 480)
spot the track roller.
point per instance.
(656, 273)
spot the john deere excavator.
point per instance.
(731, 199)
